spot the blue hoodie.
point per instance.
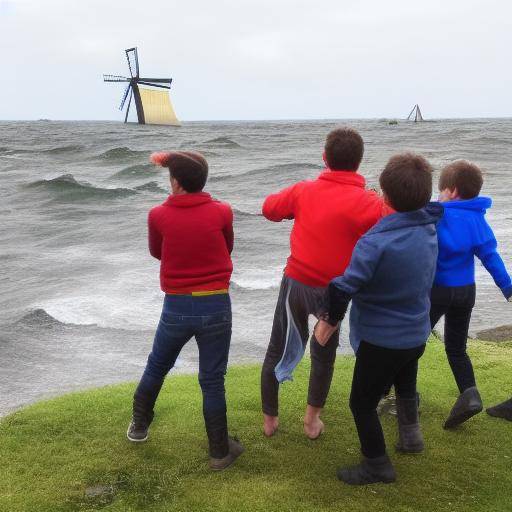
(463, 233)
(389, 280)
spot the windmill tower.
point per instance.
(415, 114)
(153, 103)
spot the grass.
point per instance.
(53, 451)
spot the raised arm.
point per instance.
(280, 206)
(488, 254)
(154, 237)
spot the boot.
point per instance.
(142, 417)
(503, 410)
(369, 471)
(410, 439)
(223, 449)
(467, 405)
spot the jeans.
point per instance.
(208, 319)
(456, 304)
(376, 369)
(290, 333)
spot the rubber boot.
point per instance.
(223, 449)
(142, 416)
(503, 410)
(410, 439)
(369, 471)
(467, 405)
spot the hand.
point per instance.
(323, 331)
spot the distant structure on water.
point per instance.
(415, 114)
(153, 105)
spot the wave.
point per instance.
(39, 318)
(136, 171)
(60, 150)
(265, 171)
(67, 187)
(151, 186)
(242, 214)
(224, 142)
(121, 153)
(241, 284)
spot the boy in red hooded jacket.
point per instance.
(330, 214)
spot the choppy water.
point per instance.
(79, 293)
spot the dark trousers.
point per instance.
(208, 319)
(456, 304)
(302, 301)
(376, 369)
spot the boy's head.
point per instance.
(406, 182)
(344, 149)
(188, 169)
(460, 180)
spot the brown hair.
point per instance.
(344, 149)
(407, 182)
(188, 168)
(464, 176)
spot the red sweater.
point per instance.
(192, 235)
(331, 213)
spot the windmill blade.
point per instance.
(115, 78)
(157, 80)
(154, 85)
(133, 61)
(128, 107)
(126, 91)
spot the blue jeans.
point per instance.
(208, 319)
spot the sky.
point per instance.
(259, 59)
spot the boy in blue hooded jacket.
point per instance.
(463, 233)
(389, 280)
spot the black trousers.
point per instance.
(456, 304)
(376, 369)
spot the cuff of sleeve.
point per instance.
(507, 292)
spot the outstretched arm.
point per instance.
(491, 260)
(280, 206)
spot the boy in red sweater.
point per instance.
(330, 214)
(192, 235)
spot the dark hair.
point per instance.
(344, 149)
(407, 182)
(188, 168)
(464, 176)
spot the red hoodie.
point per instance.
(331, 213)
(192, 235)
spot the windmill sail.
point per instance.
(157, 107)
(417, 114)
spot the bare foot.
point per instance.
(270, 425)
(313, 425)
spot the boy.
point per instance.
(389, 280)
(463, 233)
(330, 214)
(192, 235)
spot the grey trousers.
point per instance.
(290, 334)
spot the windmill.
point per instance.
(153, 105)
(415, 114)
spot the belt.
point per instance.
(201, 293)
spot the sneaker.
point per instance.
(235, 450)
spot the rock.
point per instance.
(501, 333)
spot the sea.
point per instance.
(80, 297)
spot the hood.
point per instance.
(343, 177)
(188, 200)
(477, 204)
(431, 214)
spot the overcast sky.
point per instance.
(260, 59)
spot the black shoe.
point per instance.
(503, 410)
(467, 405)
(410, 439)
(369, 471)
(141, 420)
(235, 450)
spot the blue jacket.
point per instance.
(389, 279)
(463, 233)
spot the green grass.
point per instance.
(53, 451)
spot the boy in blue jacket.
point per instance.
(389, 280)
(463, 233)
